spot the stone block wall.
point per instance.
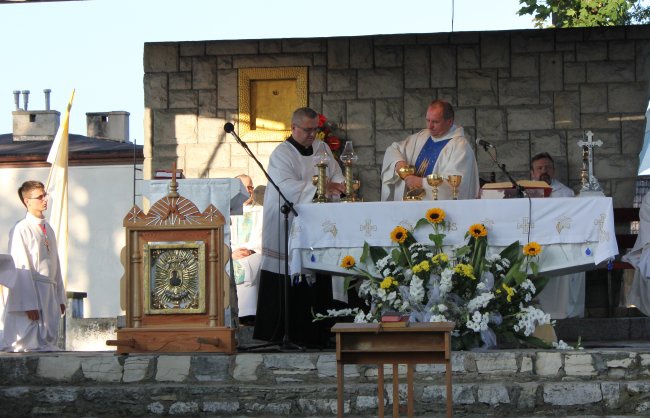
(526, 91)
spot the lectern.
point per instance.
(175, 287)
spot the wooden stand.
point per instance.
(176, 294)
(418, 343)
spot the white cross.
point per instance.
(526, 225)
(368, 228)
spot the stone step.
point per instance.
(507, 383)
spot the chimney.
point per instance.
(113, 126)
(47, 98)
(34, 125)
(25, 99)
(17, 99)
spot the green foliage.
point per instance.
(585, 13)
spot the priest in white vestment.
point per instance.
(638, 292)
(441, 149)
(292, 167)
(246, 241)
(37, 299)
(563, 296)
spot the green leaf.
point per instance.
(376, 253)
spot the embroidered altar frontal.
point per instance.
(576, 233)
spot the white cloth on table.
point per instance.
(564, 296)
(457, 157)
(638, 292)
(246, 230)
(39, 286)
(292, 172)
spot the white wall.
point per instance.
(99, 198)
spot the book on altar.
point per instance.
(506, 190)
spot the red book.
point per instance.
(394, 317)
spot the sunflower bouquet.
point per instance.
(489, 295)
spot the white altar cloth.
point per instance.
(575, 233)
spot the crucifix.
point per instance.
(589, 181)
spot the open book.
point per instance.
(506, 189)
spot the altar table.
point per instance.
(576, 234)
(417, 343)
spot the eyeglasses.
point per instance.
(41, 197)
(308, 130)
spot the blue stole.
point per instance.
(428, 157)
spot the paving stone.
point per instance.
(548, 363)
(579, 365)
(58, 368)
(493, 394)
(570, 393)
(173, 368)
(102, 369)
(246, 367)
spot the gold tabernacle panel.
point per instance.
(267, 99)
(174, 277)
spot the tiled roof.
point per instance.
(80, 147)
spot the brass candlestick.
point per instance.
(321, 184)
(349, 158)
(434, 181)
(454, 181)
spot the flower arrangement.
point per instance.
(327, 132)
(488, 296)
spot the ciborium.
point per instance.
(434, 181)
(454, 181)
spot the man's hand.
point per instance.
(241, 253)
(33, 315)
(413, 182)
(335, 188)
(399, 165)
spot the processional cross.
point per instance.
(589, 181)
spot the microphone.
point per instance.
(229, 127)
(482, 143)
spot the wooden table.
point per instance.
(417, 343)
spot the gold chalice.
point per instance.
(454, 182)
(434, 181)
(356, 185)
(407, 170)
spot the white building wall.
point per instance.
(99, 198)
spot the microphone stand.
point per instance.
(519, 189)
(286, 209)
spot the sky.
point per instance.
(96, 46)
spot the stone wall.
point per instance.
(492, 383)
(526, 91)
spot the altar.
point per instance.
(576, 234)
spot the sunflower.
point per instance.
(435, 215)
(348, 262)
(478, 230)
(398, 234)
(532, 249)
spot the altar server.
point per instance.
(37, 300)
(246, 239)
(441, 148)
(638, 293)
(564, 296)
(292, 167)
